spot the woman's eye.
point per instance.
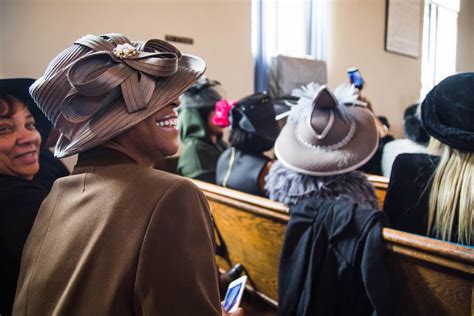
(5, 129)
(31, 126)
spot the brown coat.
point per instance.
(116, 238)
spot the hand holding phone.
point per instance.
(234, 294)
(355, 78)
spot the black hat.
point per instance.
(203, 93)
(447, 113)
(255, 114)
(18, 88)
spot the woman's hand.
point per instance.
(238, 312)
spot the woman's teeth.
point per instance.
(167, 123)
(29, 154)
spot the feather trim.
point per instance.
(289, 187)
(344, 93)
(303, 107)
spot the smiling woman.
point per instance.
(140, 237)
(20, 196)
(19, 139)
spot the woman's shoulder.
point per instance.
(22, 195)
(19, 186)
(415, 162)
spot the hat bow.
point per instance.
(127, 69)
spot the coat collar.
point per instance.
(98, 157)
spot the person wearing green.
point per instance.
(201, 140)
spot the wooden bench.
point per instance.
(380, 183)
(430, 277)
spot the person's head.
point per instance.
(253, 127)
(152, 139)
(447, 114)
(202, 96)
(206, 114)
(412, 125)
(19, 139)
(108, 91)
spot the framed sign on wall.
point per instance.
(403, 29)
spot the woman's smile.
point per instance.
(167, 122)
(26, 158)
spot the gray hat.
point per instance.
(103, 85)
(324, 137)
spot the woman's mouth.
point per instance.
(27, 158)
(167, 123)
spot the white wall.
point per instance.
(357, 29)
(32, 32)
(465, 45)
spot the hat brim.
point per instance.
(18, 88)
(117, 120)
(321, 162)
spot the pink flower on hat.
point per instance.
(221, 113)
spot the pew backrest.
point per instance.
(380, 183)
(430, 277)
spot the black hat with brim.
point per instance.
(18, 88)
(447, 113)
(255, 114)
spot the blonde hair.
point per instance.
(451, 200)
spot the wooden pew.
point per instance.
(380, 183)
(430, 277)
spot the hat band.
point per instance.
(335, 146)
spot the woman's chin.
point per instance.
(28, 172)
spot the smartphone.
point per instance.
(234, 294)
(355, 77)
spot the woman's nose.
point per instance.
(176, 103)
(27, 137)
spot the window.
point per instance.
(439, 42)
(288, 27)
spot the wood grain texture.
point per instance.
(429, 277)
(258, 249)
(169, 164)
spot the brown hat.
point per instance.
(326, 137)
(104, 85)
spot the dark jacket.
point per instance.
(407, 199)
(198, 158)
(20, 200)
(332, 261)
(51, 168)
(240, 171)
(374, 165)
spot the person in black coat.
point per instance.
(406, 202)
(332, 261)
(21, 190)
(431, 195)
(253, 131)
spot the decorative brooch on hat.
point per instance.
(124, 51)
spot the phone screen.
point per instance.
(356, 78)
(234, 294)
